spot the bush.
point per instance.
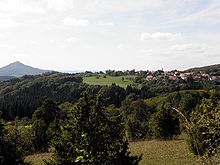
(9, 153)
(203, 130)
(164, 123)
(204, 136)
(21, 136)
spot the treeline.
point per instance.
(22, 96)
(213, 70)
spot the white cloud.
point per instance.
(33, 42)
(75, 22)
(191, 47)
(8, 23)
(129, 5)
(71, 39)
(208, 15)
(160, 36)
(17, 6)
(91, 8)
(101, 23)
(4, 46)
(52, 41)
(59, 5)
(122, 46)
(186, 50)
(88, 46)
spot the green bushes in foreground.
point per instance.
(90, 136)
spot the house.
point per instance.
(149, 77)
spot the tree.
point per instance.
(113, 94)
(9, 154)
(92, 137)
(45, 124)
(136, 117)
(165, 123)
(204, 130)
(21, 135)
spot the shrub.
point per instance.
(164, 123)
(9, 153)
(204, 137)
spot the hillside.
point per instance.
(5, 78)
(211, 69)
(18, 69)
(28, 92)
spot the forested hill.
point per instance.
(18, 69)
(211, 69)
(27, 93)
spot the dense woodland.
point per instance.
(92, 124)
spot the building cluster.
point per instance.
(184, 75)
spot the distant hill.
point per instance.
(4, 78)
(211, 69)
(17, 69)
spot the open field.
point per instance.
(37, 159)
(155, 152)
(109, 80)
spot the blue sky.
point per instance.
(110, 34)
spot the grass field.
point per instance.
(37, 159)
(109, 80)
(154, 152)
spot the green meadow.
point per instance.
(160, 152)
(122, 81)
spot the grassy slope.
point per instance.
(155, 152)
(37, 159)
(108, 80)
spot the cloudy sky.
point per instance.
(110, 34)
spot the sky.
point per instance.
(94, 35)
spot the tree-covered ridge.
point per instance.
(211, 69)
(21, 96)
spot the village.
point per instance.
(184, 75)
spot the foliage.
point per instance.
(91, 137)
(204, 133)
(164, 123)
(21, 96)
(136, 116)
(9, 154)
(212, 69)
(113, 94)
(21, 136)
(45, 123)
